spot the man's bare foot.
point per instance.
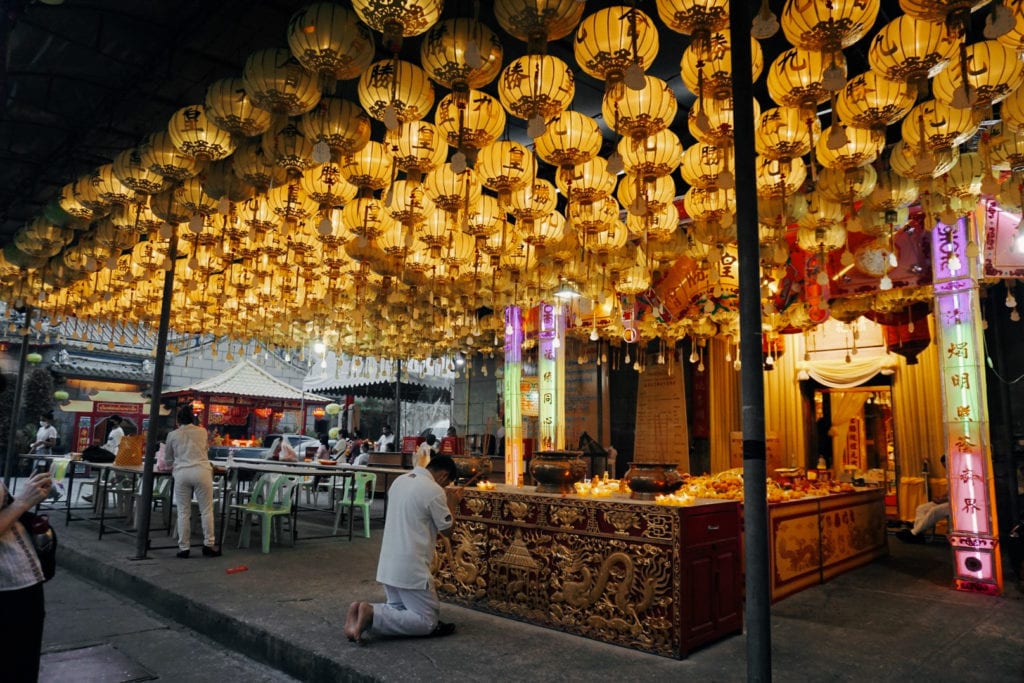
(350, 622)
(364, 621)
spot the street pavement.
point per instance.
(95, 636)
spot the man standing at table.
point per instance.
(186, 451)
(419, 508)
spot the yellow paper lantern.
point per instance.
(111, 190)
(160, 156)
(827, 26)
(452, 191)
(370, 168)
(328, 40)
(963, 181)
(251, 164)
(477, 124)
(824, 237)
(367, 217)
(821, 212)
(417, 147)
(611, 40)
(954, 13)
(230, 108)
(87, 192)
(409, 203)
(1011, 110)
(461, 54)
(326, 185)
(571, 138)
(191, 197)
(286, 146)
(873, 102)
(543, 230)
(711, 120)
(796, 78)
(785, 132)
(641, 113)
(911, 50)
(275, 81)
(531, 202)
(706, 68)
(892, 191)
(504, 166)
(338, 123)
(655, 156)
(485, 219)
(655, 226)
(939, 126)
(640, 196)
(587, 182)
(132, 173)
(536, 85)
(779, 177)
(862, 147)
(703, 164)
(846, 185)
(779, 211)
(593, 217)
(991, 69)
(195, 135)
(398, 18)
(921, 164)
(395, 91)
(538, 21)
(1007, 148)
(699, 18)
(290, 203)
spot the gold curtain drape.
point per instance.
(783, 405)
(917, 410)
(724, 397)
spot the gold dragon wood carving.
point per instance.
(608, 604)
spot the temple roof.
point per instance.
(249, 380)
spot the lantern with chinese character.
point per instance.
(196, 135)
(536, 86)
(461, 54)
(328, 39)
(707, 68)
(911, 50)
(274, 80)
(641, 113)
(505, 166)
(338, 123)
(395, 91)
(538, 21)
(398, 19)
(613, 41)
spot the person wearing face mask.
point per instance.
(46, 435)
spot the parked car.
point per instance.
(297, 441)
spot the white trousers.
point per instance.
(407, 612)
(200, 481)
(927, 515)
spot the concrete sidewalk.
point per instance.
(894, 619)
(94, 636)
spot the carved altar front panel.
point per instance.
(605, 569)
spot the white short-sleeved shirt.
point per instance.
(417, 511)
(44, 433)
(114, 440)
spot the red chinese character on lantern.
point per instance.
(964, 444)
(967, 474)
(971, 505)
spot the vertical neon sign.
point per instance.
(547, 334)
(973, 538)
(513, 407)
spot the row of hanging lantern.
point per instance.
(297, 222)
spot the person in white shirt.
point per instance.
(425, 451)
(419, 508)
(186, 451)
(363, 459)
(46, 435)
(114, 437)
(386, 442)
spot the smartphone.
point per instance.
(42, 467)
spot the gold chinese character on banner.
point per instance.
(957, 350)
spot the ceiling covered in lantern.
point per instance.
(380, 197)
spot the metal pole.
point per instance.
(19, 387)
(755, 505)
(146, 502)
(397, 445)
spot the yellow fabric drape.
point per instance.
(783, 405)
(724, 398)
(846, 405)
(917, 410)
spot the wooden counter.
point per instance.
(815, 539)
(654, 578)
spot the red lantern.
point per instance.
(908, 339)
(319, 412)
